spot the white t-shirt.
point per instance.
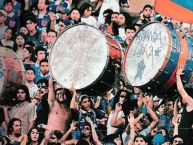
(110, 129)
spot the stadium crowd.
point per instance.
(45, 113)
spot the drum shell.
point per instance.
(12, 72)
(178, 53)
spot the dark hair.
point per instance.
(147, 6)
(15, 45)
(140, 136)
(110, 138)
(30, 50)
(26, 90)
(12, 30)
(83, 7)
(43, 60)
(53, 32)
(46, 2)
(82, 142)
(67, 93)
(30, 68)
(131, 27)
(39, 48)
(82, 97)
(29, 136)
(10, 125)
(177, 136)
(79, 20)
(58, 134)
(128, 19)
(8, 1)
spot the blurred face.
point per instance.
(42, 5)
(20, 41)
(122, 97)
(86, 131)
(177, 141)
(60, 96)
(121, 19)
(129, 34)
(17, 128)
(34, 135)
(21, 95)
(31, 26)
(24, 30)
(139, 141)
(53, 139)
(41, 55)
(147, 12)
(155, 103)
(62, 27)
(44, 68)
(86, 104)
(8, 34)
(87, 12)
(137, 90)
(30, 76)
(75, 15)
(169, 105)
(161, 109)
(2, 18)
(8, 7)
(114, 18)
(51, 37)
(26, 53)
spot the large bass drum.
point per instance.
(83, 57)
(12, 73)
(154, 55)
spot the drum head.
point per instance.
(147, 54)
(79, 56)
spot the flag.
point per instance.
(181, 10)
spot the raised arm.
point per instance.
(132, 129)
(117, 122)
(94, 134)
(186, 98)
(51, 96)
(73, 103)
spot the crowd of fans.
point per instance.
(46, 113)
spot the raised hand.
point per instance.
(73, 126)
(179, 71)
(118, 107)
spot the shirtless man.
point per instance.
(60, 114)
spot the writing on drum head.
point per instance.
(146, 54)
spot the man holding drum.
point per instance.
(186, 117)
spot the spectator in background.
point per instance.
(34, 137)
(14, 134)
(3, 27)
(24, 110)
(19, 44)
(7, 39)
(24, 30)
(28, 56)
(12, 19)
(86, 15)
(75, 16)
(129, 32)
(30, 79)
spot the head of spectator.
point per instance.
(22, 94)
(61, 27)
(19, 41)
(112, 139)
(169, 106)
(44, 67)
(75, 15)
(55, 138)
(31, 24)
(63, 96)
(85, 102)
(3, 16)
(86, 10)
(177, 140)
(106, 13)
(130, 32)
(40, 54)
(140, 140)
(124, 19)
(156, 100)
(34, 136)
(28, 54)
(24, 30)
(82, 142)
(30, 75)
(114, 17)
(51, 37)
(14, 127)
(9, 33)
(161, 109)
(147, 11)
(8, 6)
(86, 131)
(64, 14)
(42, 5)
